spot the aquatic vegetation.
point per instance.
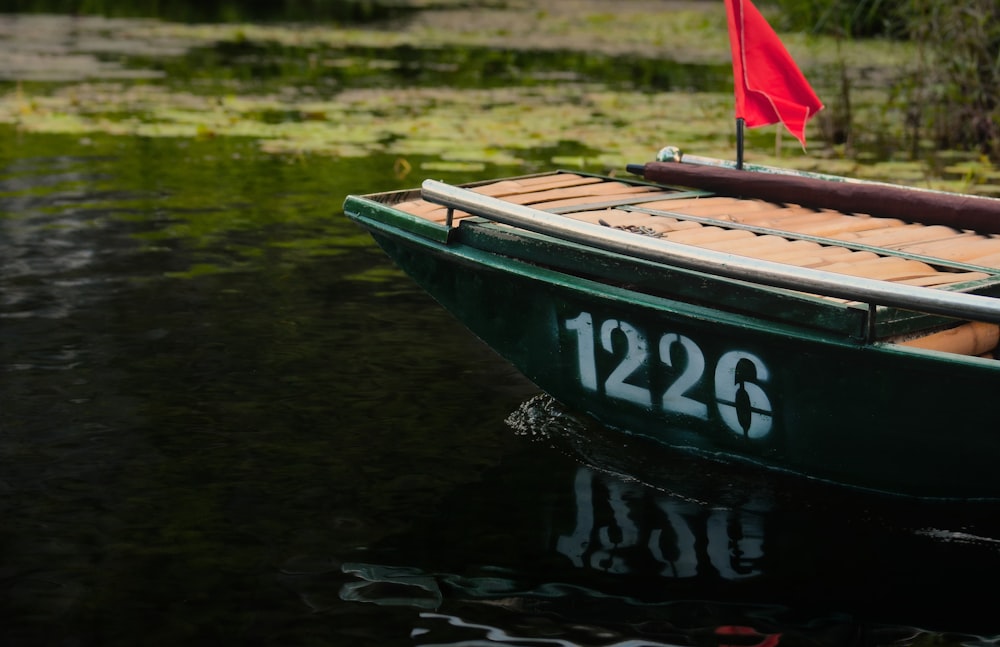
(498, 126)
(446, 91)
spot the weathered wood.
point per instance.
(542, 199)
(541, 183)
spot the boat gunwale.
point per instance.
(706, 314)
(475, 256)
(950, 303)
(808, 310)
(803, 310)
(838, 319)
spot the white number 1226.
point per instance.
(739, 381)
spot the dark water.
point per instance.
(226, 419)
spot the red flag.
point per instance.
(770, 88)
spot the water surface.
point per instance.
(225, 418)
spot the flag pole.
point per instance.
(740, 122)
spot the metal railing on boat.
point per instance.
(766, 273)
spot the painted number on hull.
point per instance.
(739, 378)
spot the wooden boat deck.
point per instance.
(886, 249)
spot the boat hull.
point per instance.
(729, 386)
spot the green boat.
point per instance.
(841, 330)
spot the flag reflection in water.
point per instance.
(622, 528)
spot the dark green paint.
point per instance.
(843, 410)
(669, 282)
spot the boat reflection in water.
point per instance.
(606, 542)
(621, 530)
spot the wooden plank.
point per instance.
(844, 225)
(796, 218)
(661, 227)
(757, 246)
(441, 216)
(825, 256)
(585, 201)
(557, 177)
(500, 189)
(705, 235)
(884, 268)
(530, 185)
(721, 208)
(783, 212)
(545, 198)
(416, 207)
(803, 224)
(990, 260)
(905, 236)
(677, 204)
(960, 247)
(610, 216)
(946, 278)
(622, 218)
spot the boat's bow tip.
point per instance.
(636, 169)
